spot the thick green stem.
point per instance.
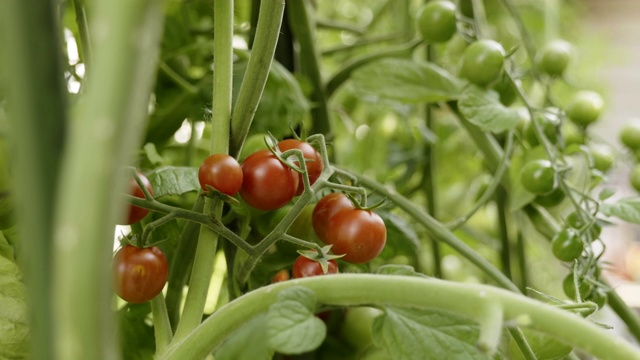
(36, 109)
(83, 29)
(161, 325)
(204, 260)
(625, 313)
(414, 292)
(437, 229)
(255, 77)
(300, 21)
(106, 129)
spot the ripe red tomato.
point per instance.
(305, 267)
(314, 167)
(267, 183)
(359, 234)
(137, 213)
(325, 209)
(222, 172)
(139, 274)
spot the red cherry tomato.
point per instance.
(359, 234)
(139, 274)
(314, 167)
(305, 267)
(137, 213)
(222, 172)
(325, 209)
(267, 183)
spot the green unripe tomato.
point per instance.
(571, 134)
(436, 21)
(634, 177)
(554, 57)
(538, 177)
(482, 62)
(599, 297)
(630, 134)
(506, 91)
(569, 288)
(585, 107)
(356, 326)
(602, 156)
(567, 245)
(554, 198)
(575, 221)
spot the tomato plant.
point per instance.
(222, 172)
(267, 183)
(324, 210)
(139, 274)
(358, 234)
(436, 21)
(314, 165)
(482, 62)
(465, 119)
(137, 213)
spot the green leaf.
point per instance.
(408, 334)
(406, 81)
(395, 269)
(137, 340)
(482, 107)
(627, 209)
(14, 330)
(292, 327)
(174, 180)
(606, 193)
(235, 347)
(543, 346)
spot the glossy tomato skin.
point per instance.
(267, 183)
(482, 62)
(538, 177)
(358, 234)
(222, 172)
(305, 267)
(137, 213)
(328, 206)
(139, 274)
(436, 21)
(567, 245)
(630, 134)
(314, 167)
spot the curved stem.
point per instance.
(415, 292)
(438, 230)
(255, 77)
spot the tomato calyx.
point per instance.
(323, 257)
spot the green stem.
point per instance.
(414, 292)
(107, 127)
(524, 33)
(428, 178)
(438, 230)
(36, 111)
(360, 43)
(255, 77)
(83, 28)
(505, 249)
(339, 26)
(204, 260)
(161, 325)
(303, 29)
(625, 313)
(522, 261)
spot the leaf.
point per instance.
(483, 108)
(395, 269)
(406, 81)
(606, 193)
(14, 330)
(282, 105)
(401, 236)
(235, 347)
(408, 334)
(292, 327)
(174, 180)
(137, 340)
(627, 209)
(544, 347)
